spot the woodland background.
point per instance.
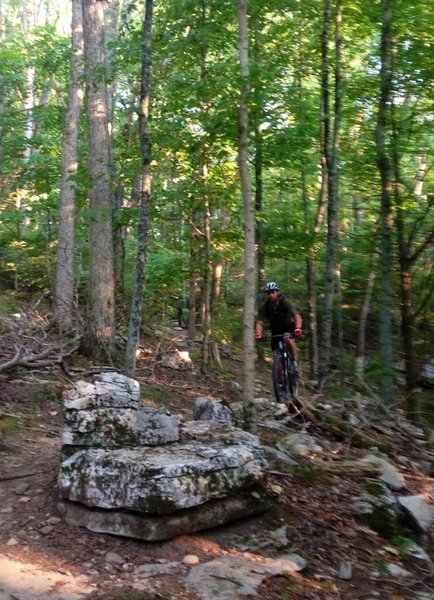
(165, 160)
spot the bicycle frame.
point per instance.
(285, 380)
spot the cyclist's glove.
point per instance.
(260, 337)
(297, 332)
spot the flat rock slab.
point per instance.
(119, 427)
(234, 577)
(160, 480)
(111, 391)
(21, 581)
(154, 529)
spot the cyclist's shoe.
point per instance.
(295, 367)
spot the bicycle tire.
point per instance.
(294, 382)
(281, 390)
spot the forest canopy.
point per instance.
(339, 102)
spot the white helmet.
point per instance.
(271, 285)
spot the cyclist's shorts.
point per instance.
(275, 340)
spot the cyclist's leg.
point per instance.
(277, 377)
(275, 350)
(291, 345)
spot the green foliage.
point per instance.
(45, 395)
(309, 474)
(227, 325)
(402, 543)
(374, 371)
(10, 426)
(153, 394)
(8, 304)
(195, 85)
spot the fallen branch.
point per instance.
(351, 468)
(35, 361)
(6, 415)
(342, 429)
(11, 477)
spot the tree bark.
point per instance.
(111, 14)
(386, 217)
(206, 225)
(332, 160)
(64, 285)
(257, 115)
(312, 321)
(145, 193)
(249, 225)
(207, 282)
(99, 338)
(361, 337)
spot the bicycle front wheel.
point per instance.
(280, 378)
(294, 382)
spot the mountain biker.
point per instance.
(282, 317)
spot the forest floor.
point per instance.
(37, 547)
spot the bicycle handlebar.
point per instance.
(278, 335)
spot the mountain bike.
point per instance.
(286, 378)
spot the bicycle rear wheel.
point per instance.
(280, 378)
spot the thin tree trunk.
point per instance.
(1, 22)
(207, 280)
(145, 193)
(217, 282)
(99, 337)
(364, 312)
(206, 234)
(192, 312)
(111, 13)
(64, 286)
(386, 217)
(257, 115)
(420, 176)
(313, 351)
(332, 158)
(249, 225)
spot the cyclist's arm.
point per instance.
(298, 321)
(259, 328)
(296, 316)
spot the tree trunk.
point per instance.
(206, 225)
(64, 286)
(420, 176)
(249, 226)
(332, 159)
(192, 312)
(99, 337)
(216, 282)
(364, 312)
(145, 193)
(313, 351)
(260, 241)
(207, 281)
(111, 14)
(386, 217)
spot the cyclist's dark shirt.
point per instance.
(281, 318)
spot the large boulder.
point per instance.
(108, 414)
(130, 469)
(154, 528)
(159, 480)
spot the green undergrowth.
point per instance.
(9, 426)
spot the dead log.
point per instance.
(216, 354)
(342, 429)
(351, 468)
